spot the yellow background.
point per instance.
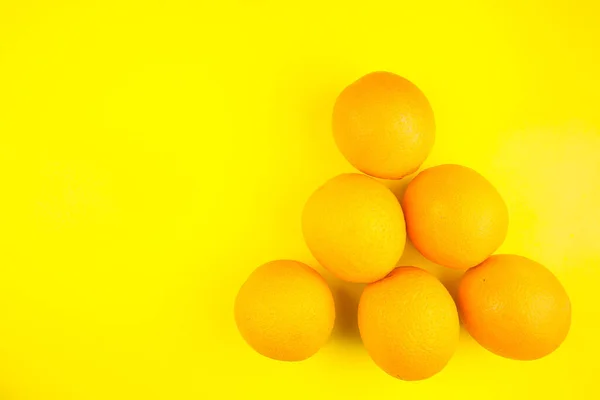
(153, 153)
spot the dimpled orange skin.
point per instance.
(454, 216)
(384, 125)
(514, 307)
(285, 310)
(409, 324)
(354, 227)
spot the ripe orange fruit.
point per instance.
(354, 227)
(514, 307)
(384, 125)
(454, 216)
(408, 323)
(285, 310)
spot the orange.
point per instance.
(354, 227)
(285, 310)
(384, 125)
(409, 324)
(514, 307)
(454, 216)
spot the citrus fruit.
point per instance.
(408, 323)
(514, 307)
(454, 216)
(354, 227)
(383, 125)
(285, 310)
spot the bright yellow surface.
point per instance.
(153, 153)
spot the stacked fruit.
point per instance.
(356, 228)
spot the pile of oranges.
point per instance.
(356, 228)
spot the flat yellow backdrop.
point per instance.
(153, 153)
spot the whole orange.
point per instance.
(285, 310)
(408, 323)
(454, 216)
(384, 125)
(514, 307)
(354, 227)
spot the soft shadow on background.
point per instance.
(346, 296)
(398, 187)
